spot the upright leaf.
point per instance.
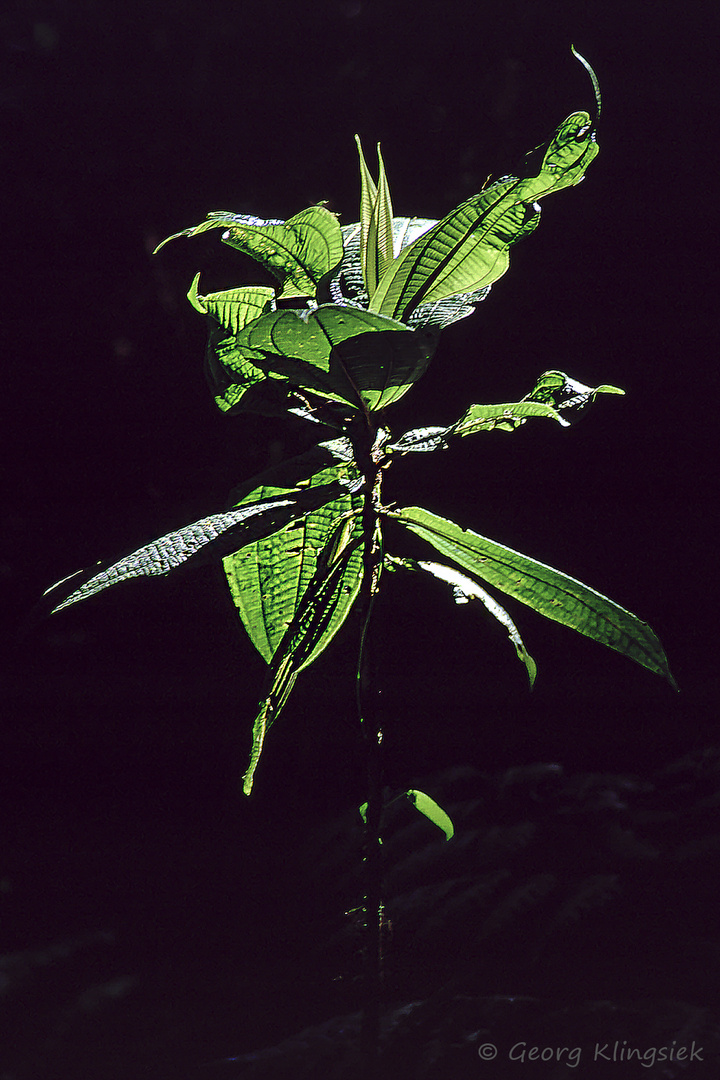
(376, 222)
(469, 249)
(547, 591)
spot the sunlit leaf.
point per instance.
(430, 809)
(469, 249)
(344, 353)
(547, 591)
(269, 578)
(567, 395)
(313, 626)
(465, 590)
(376, 222)
(299, 252)
(210, 537)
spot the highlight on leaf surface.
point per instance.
(465, 590)
(430, 809)
(298, 252)
(319, 614)
(549, 592)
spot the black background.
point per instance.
(127, 719)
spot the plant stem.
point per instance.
(363, 439)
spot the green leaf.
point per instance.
(314, 624)
(220, 219)
(504, 417)
(427, 806)
(269, 579)
(376, 222)
(233, 309)
(558, 390)
(299, 252)
(477, 418)
(468, 249)
(547, 591)
(553, 392)
(464, 252)
(210, 537)
(229, 370)
(465, 590)
(343, 353)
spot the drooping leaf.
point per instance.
(464, 590)
(299, 252)
(430, 809)
(469, 249)
(310, 631)
(269, 579)
(221, 219)
(547, 591)
(210, 537)
(233, 308)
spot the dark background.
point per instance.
(127, 720)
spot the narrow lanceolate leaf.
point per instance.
(299, 252)
(368, 199)
(465, 590)
(204, 540)
(547, 591)
(347, 284)
(554, 397)
(269, 579)
(311, 629)
(477, 418)
(376, 222)
(427, 806)
(469, 249)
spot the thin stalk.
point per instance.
(372, 738)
